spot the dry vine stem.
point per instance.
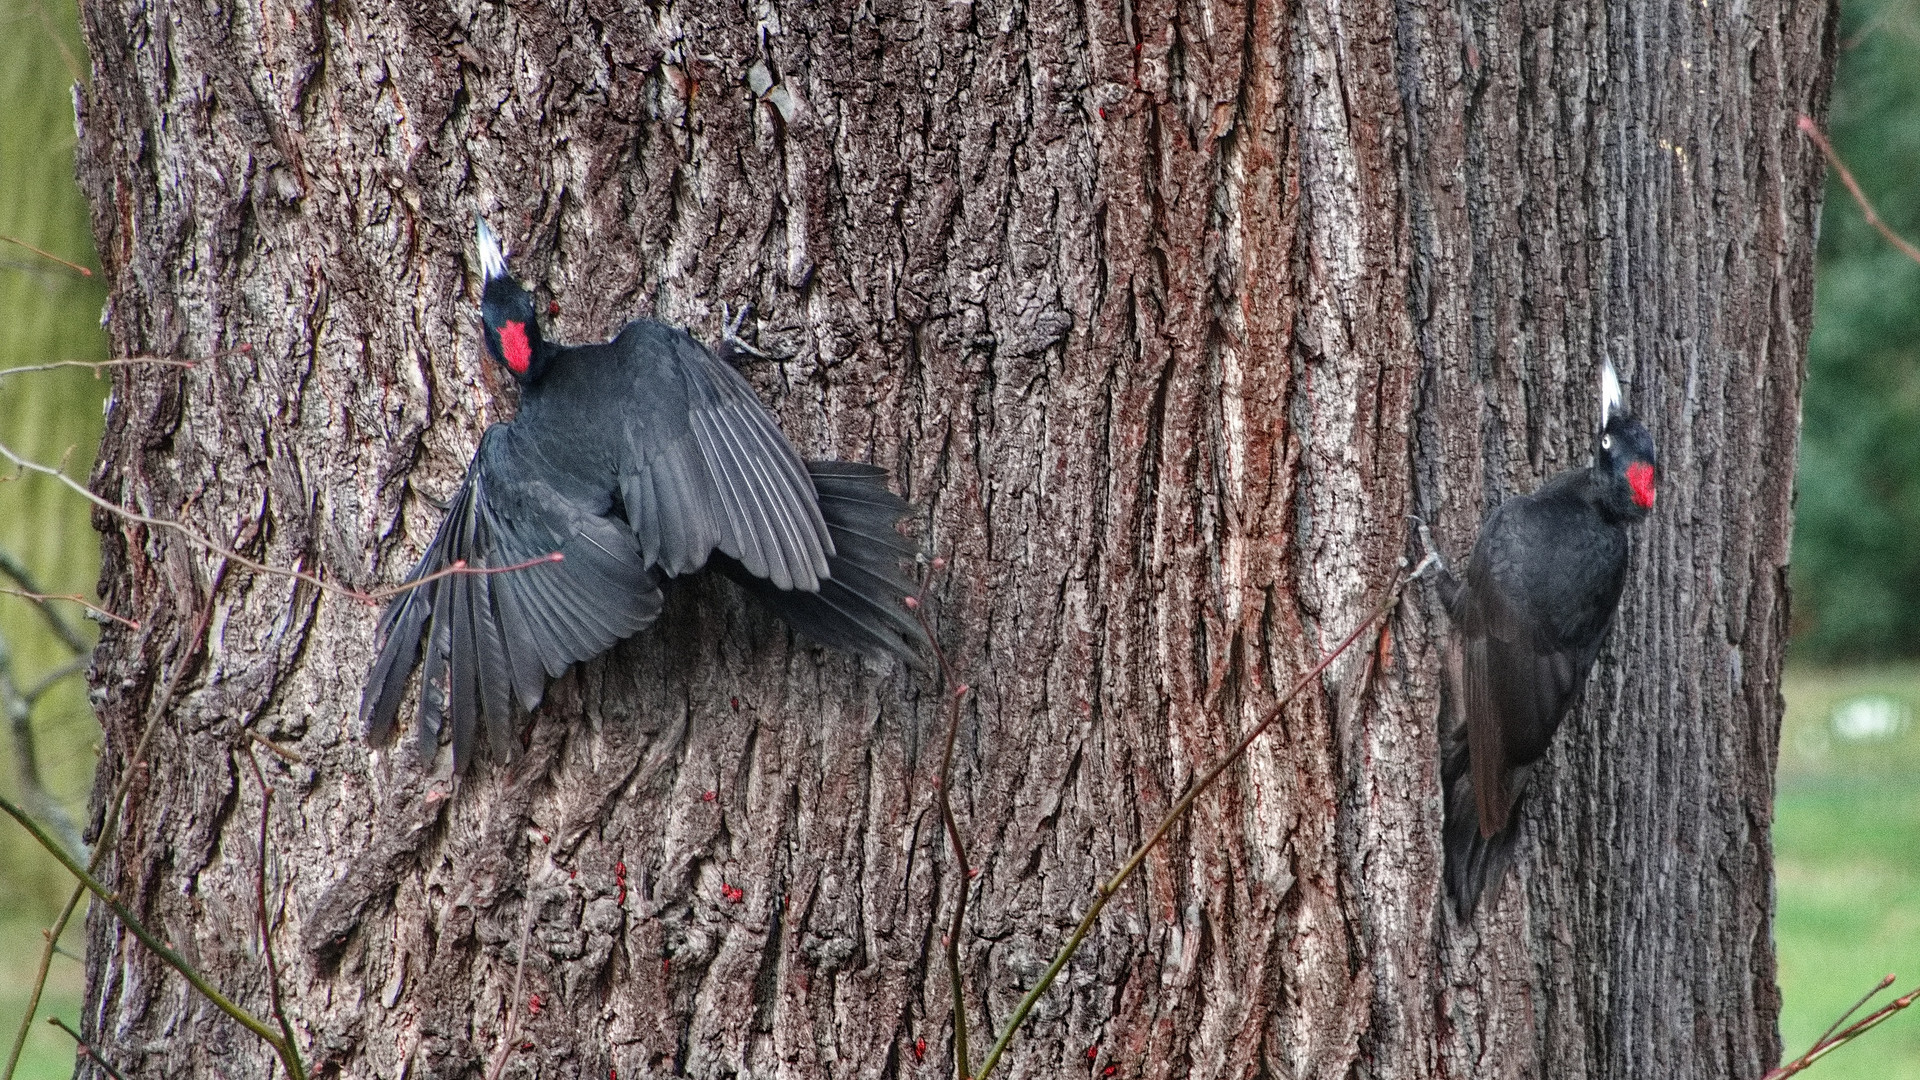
(260, 895)
(1112, 885)
(956, 690)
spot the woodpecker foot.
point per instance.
(1433, 562)
(730, 342)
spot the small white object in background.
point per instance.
(1870, 717)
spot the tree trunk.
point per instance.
(1166, 318)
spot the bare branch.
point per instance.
(1812, 131)
(73, 598)
(69, 634)
(206, 543)
(962, 1056)
(19, 709)
(83, 271)
(86, 1050)
(167, 955)
(38, 690)
(1829, 1042)
(1112, 885)
(511, 1026)
(98, 366)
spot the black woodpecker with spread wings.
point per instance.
(1529, 616)
(644, 458)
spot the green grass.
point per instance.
(1847, 864)
(49, 1051)
(47, 312)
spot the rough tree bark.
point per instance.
(1167, 316)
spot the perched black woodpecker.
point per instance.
(1528, 616)
(643, 458)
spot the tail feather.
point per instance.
(1474, 863)
(861, 605)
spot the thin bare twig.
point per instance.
(1828, 1042)
(295, 1066)
(109, 827)
(289, 756)
(84, 272)
(98, 366)
(68, 634)
(1112, 885)
(1812, 131)
(159, 948)
(72, 598)
(510, 1029)
(84, 1048)
(206, 543)
(956, 690)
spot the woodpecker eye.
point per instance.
(1606, 442)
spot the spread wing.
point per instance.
(491, 637)
(729, 481)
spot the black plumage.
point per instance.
(1529, 616)
(635, 460)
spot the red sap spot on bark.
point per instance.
(1640, 478)
(1109, 1070)
(919, 1049)
(513, 342)
(709, 796)
(553, 308)
(534, 1005)
(1093, 1051)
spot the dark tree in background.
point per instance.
(1167, 317)
(1856, 567)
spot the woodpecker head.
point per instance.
(1624, 453)
(506, 309)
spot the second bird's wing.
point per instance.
(735, 485)
(494, 635)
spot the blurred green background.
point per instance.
(50, 313)
(1847, 828)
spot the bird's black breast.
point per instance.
(1557, 566)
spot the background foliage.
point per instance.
(1846, 826)
(1856, 559)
